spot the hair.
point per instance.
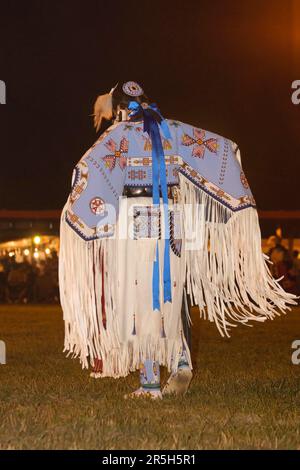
(121, 99)
(107, 106)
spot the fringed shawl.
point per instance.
(227, 275)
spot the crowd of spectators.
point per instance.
(285, 265)
(37, 281)
(25, 282)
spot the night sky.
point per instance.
(223, 65)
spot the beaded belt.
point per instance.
(134, 191)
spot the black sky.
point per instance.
(224, 65)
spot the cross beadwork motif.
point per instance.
(200, 144)
(117, 154)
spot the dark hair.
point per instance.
(120, 98)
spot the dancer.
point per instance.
(160, 214)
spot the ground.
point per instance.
(245, 393)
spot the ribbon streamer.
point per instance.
(152, 119)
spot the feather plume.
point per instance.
(102, 109)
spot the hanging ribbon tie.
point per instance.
(153, 119)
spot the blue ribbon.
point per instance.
(152, 121)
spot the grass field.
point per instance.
(245, 393)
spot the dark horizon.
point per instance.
(225, 66)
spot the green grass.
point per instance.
(245, 393)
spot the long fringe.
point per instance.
(80, 271)
(81, 266)
(227, 274)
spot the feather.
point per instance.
(102, 109)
